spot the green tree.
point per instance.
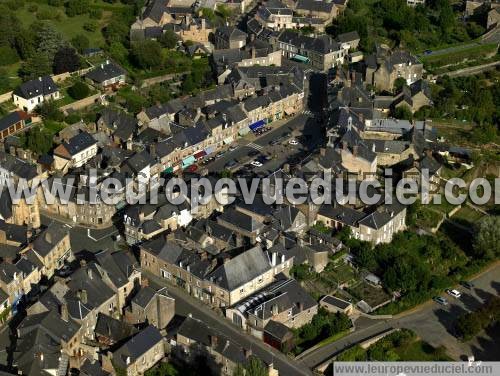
(37, 140)
(8, 55)
(79, 90)
(486, 242)
(224, 11)
(80, 42)
(77, 7)
(47, 39)
(403, 112)
(168, 39)
(66, 60)
(399, 83)
(164, 369)
(48, 110)
(36, 66)
(255, 367)
(147, 54)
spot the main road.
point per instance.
(432, 322)
(187, 305)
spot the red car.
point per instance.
(191, 168)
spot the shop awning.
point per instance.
(257, 125)
(210, 150)
(186, 162)
(300, 58)
(168, 170)
(228, 140)
(200, 154)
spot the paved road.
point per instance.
(186, 304)
(432, 322)
(450, 49)
(302, 124)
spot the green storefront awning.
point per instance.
(186, 162)
(168, 170)
(300, 58)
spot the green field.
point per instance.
(70, 26)
(474, 52)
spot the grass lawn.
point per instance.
(419, 350)
(474, 52)
(333, 338)
(374, 296)
(71, 26)
(427, 218)
(467, 215)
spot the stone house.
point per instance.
(156, 308)
(283, 301)
(138, 354)
(229, 37)
(52, 248)
(75, 152)
(195, 338)
(13, 122)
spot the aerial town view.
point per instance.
(249, 187)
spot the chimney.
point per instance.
(300, 306)
(355, 150)
(83, 296)
(322, 152)
(48, 237)
(373, 147)
(213, 341)
(349, 123)
(152, 149)
(83, 263)
(40, 79)
(253, 52)
(274, 309)
(252, 37)
(89, 273)
(128, 360)
(203, 24)
(286, 168)
(273, 259)
(64, 312)
(361, 118)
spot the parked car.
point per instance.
(293, 141)
(232, 148)
(455, 293)
(467, 284)
(253, 153)
(274, 142)
(230, 164)
(440, 300)
(263, 158)
(256, 164)
(191, 168)
(116, 237)
(64, 271)
(220, 154)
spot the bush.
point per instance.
(90, 27)
(8, 56)
(80, 42)
(79, 90)
(77, 7)
(33, 8)
(95, 14)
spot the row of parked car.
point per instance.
(453, 293)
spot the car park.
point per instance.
(232, 163)
(440, 300)
(256, 164)
(467, 284)
(455, 293)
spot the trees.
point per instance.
(80, 42)
(77, 7)
(48, 110)
(168, 39)
(8, 55)
(470, 324)
(254, 367)
(486, 244)
(79, 90)
(37, 140)
(35, 66)
(403, 112)
(147, 54)
(66, 60)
